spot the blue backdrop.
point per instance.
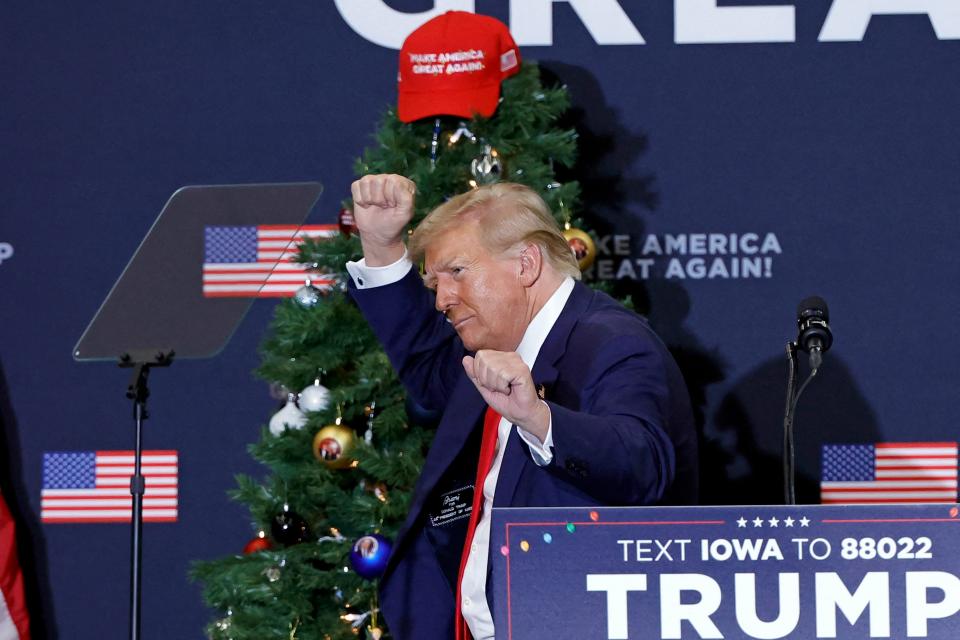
(836, 146)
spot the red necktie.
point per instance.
(488, 448)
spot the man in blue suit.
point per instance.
(590, 408)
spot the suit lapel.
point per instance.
(460, 417)
(544, 375)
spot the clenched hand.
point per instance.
(383, 205)
(505, 382)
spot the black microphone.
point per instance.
(815, 337)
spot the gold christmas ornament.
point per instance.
(333, 445)
(582, 246)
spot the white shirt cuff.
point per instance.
(541, 452)
(365, 277)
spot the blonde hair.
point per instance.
(510, 214)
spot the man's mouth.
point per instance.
(459, 323)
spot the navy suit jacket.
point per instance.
(623, 432)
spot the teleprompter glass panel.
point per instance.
(159, 302)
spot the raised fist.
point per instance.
(382, 207)
(506, 384)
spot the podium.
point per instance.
(640, 573)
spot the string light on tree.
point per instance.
(370, 412)
(435, 144)
(461, 132)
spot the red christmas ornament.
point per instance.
(347, 224)
(260, 543)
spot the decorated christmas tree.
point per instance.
(341, 466)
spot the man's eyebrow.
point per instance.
(430, 279)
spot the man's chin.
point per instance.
(469, 344)
(471, 341)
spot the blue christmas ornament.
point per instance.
(369, 555)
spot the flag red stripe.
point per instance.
(915, 445)
(72, 520)
(131, 453)
(113, 473)
(294, 284)
(887, 489)
(931, 476)
(281, 227)
(918, 459)
(147, 506)
(241, 294)
(885, 501)
(254, 267)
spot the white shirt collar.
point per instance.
(543, 322)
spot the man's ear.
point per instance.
(531, 264)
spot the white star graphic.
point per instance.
(804, 521)
(758, 522)
(773, 521)
(741, 522)
(788, 521)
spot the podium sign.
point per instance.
(727, 572)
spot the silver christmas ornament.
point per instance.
(289, 417)
(308, 295)
(315, 397)
(486, 167)
(272, 573)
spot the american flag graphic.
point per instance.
(889, 472)
(239, 261)
(94, 486)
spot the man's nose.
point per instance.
(446, 297)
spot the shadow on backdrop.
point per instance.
(611, 186)
(745, 443)
(31, 545)
(606, 150)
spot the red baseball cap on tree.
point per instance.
(453, 65)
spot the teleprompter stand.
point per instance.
(158, 306)
(138, 392)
